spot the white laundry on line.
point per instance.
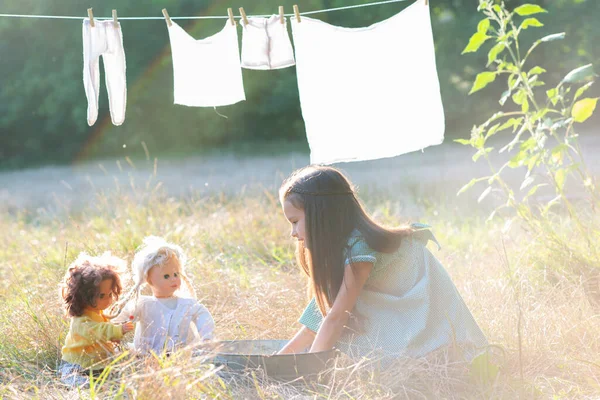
(207, 72)
(266, 44)
(369, 93)
(106, 40)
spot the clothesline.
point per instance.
(199, 17)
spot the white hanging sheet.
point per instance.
(369, 93)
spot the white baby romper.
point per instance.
(266, 44)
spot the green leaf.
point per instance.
(483, 26)
(536, 71)
(492, 131)
(552, 202)
(583, 109)
(553, 37)
(529, 9)
(484, 194)
(470, 184)
(517, 160)
(535, 189)
(530, 22)
(552, 96)
(475, 42)
(504, 97)
(513, 122)
(482, 80)
(520, 97)
(462, 141)
(482, 152)
(528, 181)
(582, 90)
(533, 161)
(579, 74)
(494, 52)
(560, 179)
(482, 370)
(525, 105)
(557, 153)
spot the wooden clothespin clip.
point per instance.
(281, 17)
(243, 14)
(426, 2)
(167, 18)
(296, 13)
(230, 13)
(91, 15)
(115, 22)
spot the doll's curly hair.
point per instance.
(82, 281)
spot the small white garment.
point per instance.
(160, 327)
(369, 93)
(266, 44)
(206, 73)
(105, 40)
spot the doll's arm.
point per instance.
(103, 331)
(128, 311)
(355, 277)
(204, 322)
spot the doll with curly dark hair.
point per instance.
(90, 286)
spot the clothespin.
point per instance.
(91, 15)
(296, 13)
(243, 14)
(167, 18)
(426, 2)
(230, 13)
(281, 17)
(115, 22)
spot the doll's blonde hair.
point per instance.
(155, 252)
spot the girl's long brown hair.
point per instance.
(332, 211)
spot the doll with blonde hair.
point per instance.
(90, 286)
(170, 318)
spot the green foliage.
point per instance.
(544, 144)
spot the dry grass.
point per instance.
(242, 267)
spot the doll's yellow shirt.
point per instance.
(89, 341)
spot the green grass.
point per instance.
(242, 266)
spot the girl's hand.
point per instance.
(127, 327)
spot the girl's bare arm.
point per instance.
(300, 342)
(355, 277)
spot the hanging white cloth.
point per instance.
(106, 40)
(207, 72)
(369, 93)
(266, 44)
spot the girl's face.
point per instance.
(296, 218)
(104, 297)
(165, 279)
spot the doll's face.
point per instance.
(104, 297)
(165, 279)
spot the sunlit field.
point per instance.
(540, 318)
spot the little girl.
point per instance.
(166, 321)
(376, 291)
(89, 287)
